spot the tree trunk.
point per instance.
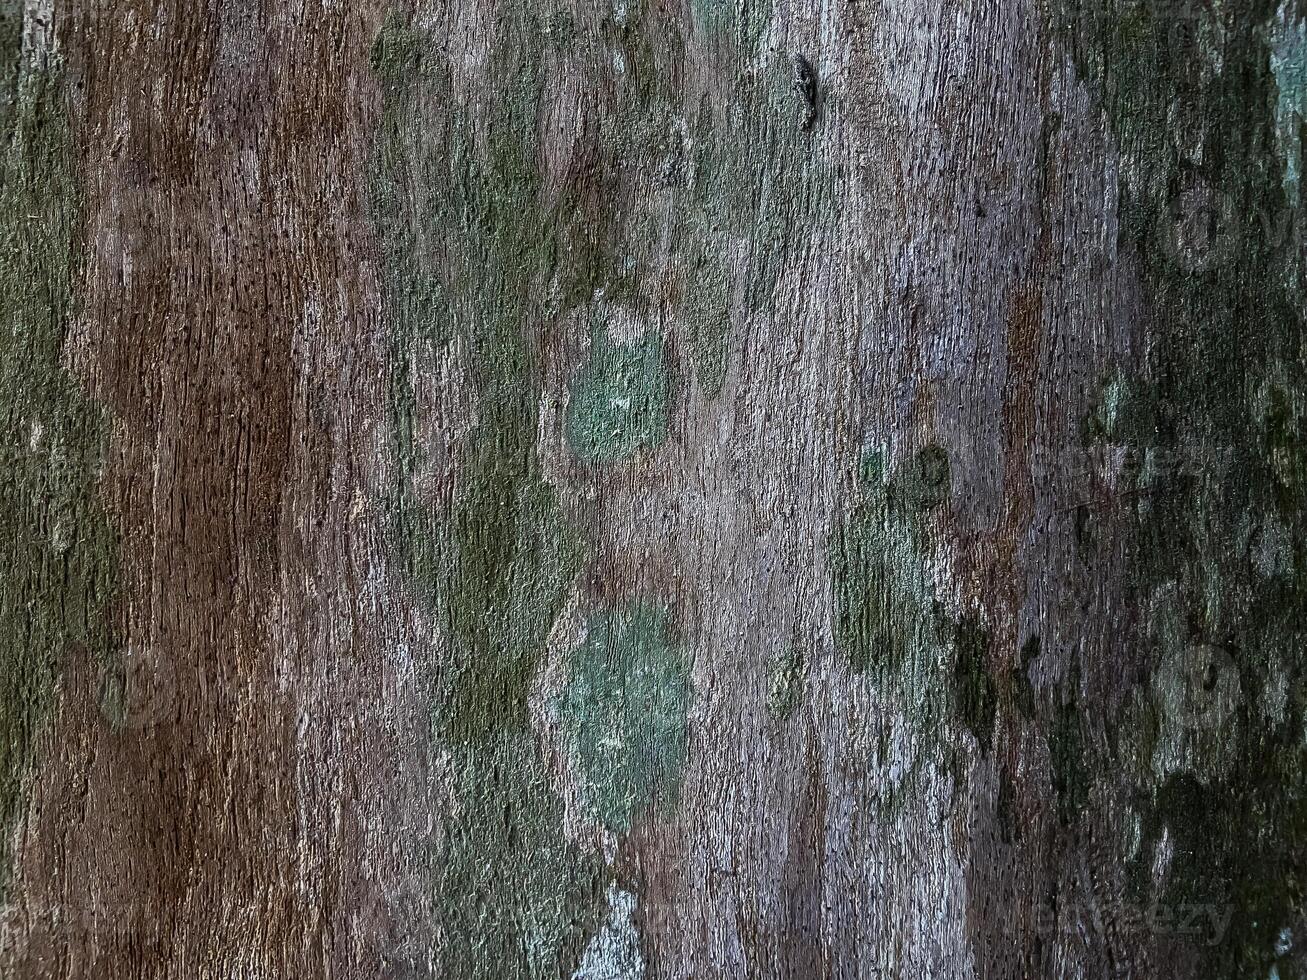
(513, 489)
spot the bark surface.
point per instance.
(653, 489)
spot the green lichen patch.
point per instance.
(786, 678)
(755, 194)
(57, 552)
(886, 612)
(467, 240)
(624, 712)
(515, 898)
(872, 470)
(1288, 52)
(728, 20)
(618, 401)
(398, 52)
(1122, 414)
(884, 596)
(468, 246)
(889, 621)
(512, 560)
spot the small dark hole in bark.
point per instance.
(1210, 673)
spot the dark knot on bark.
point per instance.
(805, 84)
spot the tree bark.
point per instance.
(653, 490)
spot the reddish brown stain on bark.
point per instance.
(227, 313)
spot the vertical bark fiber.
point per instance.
(652, 489)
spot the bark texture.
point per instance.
(653, 489)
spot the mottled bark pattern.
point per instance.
(514, 489)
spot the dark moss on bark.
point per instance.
(1214, 414)
(1066, 753)
(975, 695)
(57, 551)
(889, 621)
